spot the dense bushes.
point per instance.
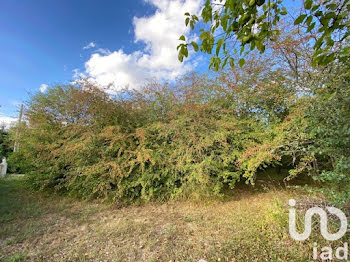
(192, 138)
(329, 127)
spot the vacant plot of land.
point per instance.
(250, 227)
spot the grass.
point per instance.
(248, 227)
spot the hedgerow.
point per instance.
(192, 138)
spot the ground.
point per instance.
(250, 226)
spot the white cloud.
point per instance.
(160, 33)
(90, 45)
(7, 121)
(117, 68)
(43, 88)
(103, 51)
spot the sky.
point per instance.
(43, 43)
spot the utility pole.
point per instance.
(16, 145)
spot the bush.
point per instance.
(193, 138)
(5, 147)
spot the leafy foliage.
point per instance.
(5, 148)
(254, 24)
(329, 127)
(196, 137)
(190, 139)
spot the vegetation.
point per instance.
(232, 26)
(283, 114)
(199, 136)
(196, 137)
(4, 143)
(250, 227)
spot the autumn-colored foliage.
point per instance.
(194, 137)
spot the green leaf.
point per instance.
(207, 12)
(192, 25)
(218, 45)
(260, 2)
(242, 49)
(284, 11)
(180, 57)
(310, 27)
(241, 62)
(308, 4)
(300, 19)
(225, 62)
(318, 43)
(217, 63)
(246, 38)
(185, 51)
(232, 62)
(195, 46)
(309, 20)
(332, 6)
(182, 38)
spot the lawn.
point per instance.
(249, 226)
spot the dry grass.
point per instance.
(251, 228)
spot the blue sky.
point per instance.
(42, 42)
(46, 42)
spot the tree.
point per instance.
(253, 24)
(4, 143)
